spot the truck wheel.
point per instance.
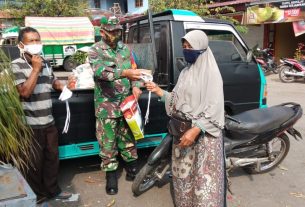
(69, 64)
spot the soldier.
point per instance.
(114, 69)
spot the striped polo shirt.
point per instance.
(38, 107)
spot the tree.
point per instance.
(199, 7)
(47, 8)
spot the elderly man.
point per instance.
(34, 80)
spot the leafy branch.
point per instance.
(15, 135)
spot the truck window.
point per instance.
(145, 35)
(225, 46)
(9, 41)
(162, 47)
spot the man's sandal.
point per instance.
(63, 195)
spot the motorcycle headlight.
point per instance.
(281, 61)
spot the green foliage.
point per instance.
(15, 135)
(299, 53)
(47, 8)
(79, 57)
(199, 7)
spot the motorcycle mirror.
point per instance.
(249, 56)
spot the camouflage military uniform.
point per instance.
(111, 89)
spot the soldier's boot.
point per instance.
(131, 170)
(112, 183)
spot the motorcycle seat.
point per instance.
(258, 121)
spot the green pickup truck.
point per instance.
(61, 37)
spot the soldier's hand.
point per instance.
(136, 92)
(36, 63)
(131, 74)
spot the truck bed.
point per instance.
(81, 140)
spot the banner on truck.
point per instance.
(62, 30)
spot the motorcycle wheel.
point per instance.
(280, 147)
(146, 178)
(283, 77)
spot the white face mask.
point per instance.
(34, 49)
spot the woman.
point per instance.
(197, 158)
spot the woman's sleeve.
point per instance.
(164, 97)
(196, 123)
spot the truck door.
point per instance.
(141, 35)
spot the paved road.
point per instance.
(283, 187)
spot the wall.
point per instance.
(285, 41)
(254, 36)
(137, 10)
(106, 4)
(109, 4)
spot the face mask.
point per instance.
(191, 55)
(112, 39)
(34, 49)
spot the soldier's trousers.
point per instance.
(115, 136)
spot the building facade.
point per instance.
(271, 23)
(125, 6)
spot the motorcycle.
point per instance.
(291, 70)
(266, 60)
(254, 140)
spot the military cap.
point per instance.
(111, 23)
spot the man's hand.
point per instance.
(189, 137)
(131, 74)
(58, 85)
(136, 92)
(36, 63)
(153, 87)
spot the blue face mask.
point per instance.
(191, 55)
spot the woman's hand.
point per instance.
(189, 137)
(153, 87)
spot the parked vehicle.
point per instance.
(9, 36)
(291, 70)
(254, 140)
(8, 41)
(244, 81)
(266, 60)
(61, 37)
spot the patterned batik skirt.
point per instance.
(198, 173)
